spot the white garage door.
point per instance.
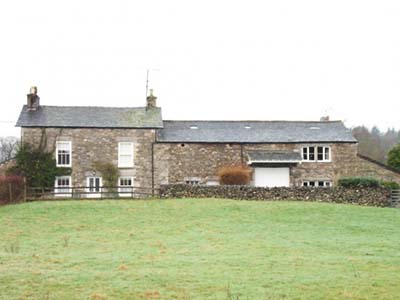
(271, 177)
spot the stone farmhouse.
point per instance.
(150, 151)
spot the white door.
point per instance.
(271, 177)
(93, 187)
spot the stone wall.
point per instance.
(183, 161)
(363, 196)
(91, 144)
(178, 162)
(366, 167)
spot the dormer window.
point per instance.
(316, 153)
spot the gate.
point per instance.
(395, 198)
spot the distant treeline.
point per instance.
(375, 143)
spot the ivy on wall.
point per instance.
(37, 165)
(109, 173)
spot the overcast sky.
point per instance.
(262, 60)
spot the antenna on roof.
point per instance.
(147, 83)
(147, 80)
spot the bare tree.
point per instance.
(8, 147)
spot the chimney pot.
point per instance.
(33, 99)
(33, 90)
(324, 119)
(151, 100)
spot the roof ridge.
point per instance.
(91, 106)
(270, 121)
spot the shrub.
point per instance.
(235, 175)
(37, 165)
(11, 189)
(109, 172)
(391, 184)
(359, 182)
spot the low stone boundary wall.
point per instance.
(379, 197)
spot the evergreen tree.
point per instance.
(394, 157)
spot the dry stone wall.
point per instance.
(378, 197)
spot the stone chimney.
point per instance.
(151, 100)
(324, 119)
(33, 99)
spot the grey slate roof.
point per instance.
(254, 132)
(274, 156)
(83, 116)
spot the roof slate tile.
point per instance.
(254, 132)
(84, 116)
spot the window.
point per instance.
(63, 154)
(62, 186)
(316, 153)
(94, 184)
(125, 155)
(192, 182)
(93, 187)
(317, 183)
(125, 186)
(327, 153)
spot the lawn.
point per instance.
(198, 249)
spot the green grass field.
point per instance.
(198, 249)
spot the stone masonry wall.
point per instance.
(361, 196)
(91, 144)
(175, 163)
(361, 166)
(180, 162)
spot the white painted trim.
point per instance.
(70, 154)
(274, 161)
(131, 164)
(124, 194)
(316, 153)
(316, 183)
(68, 192)
(93, 194)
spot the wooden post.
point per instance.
(25, 189)
(10, 191)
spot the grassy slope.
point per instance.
(194, 249)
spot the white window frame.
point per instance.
(324, 152)
(121, 191)
(326, 183)
(69, 143)
(63, 191)
(90, 193)
(131, 162)
(192, 181)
